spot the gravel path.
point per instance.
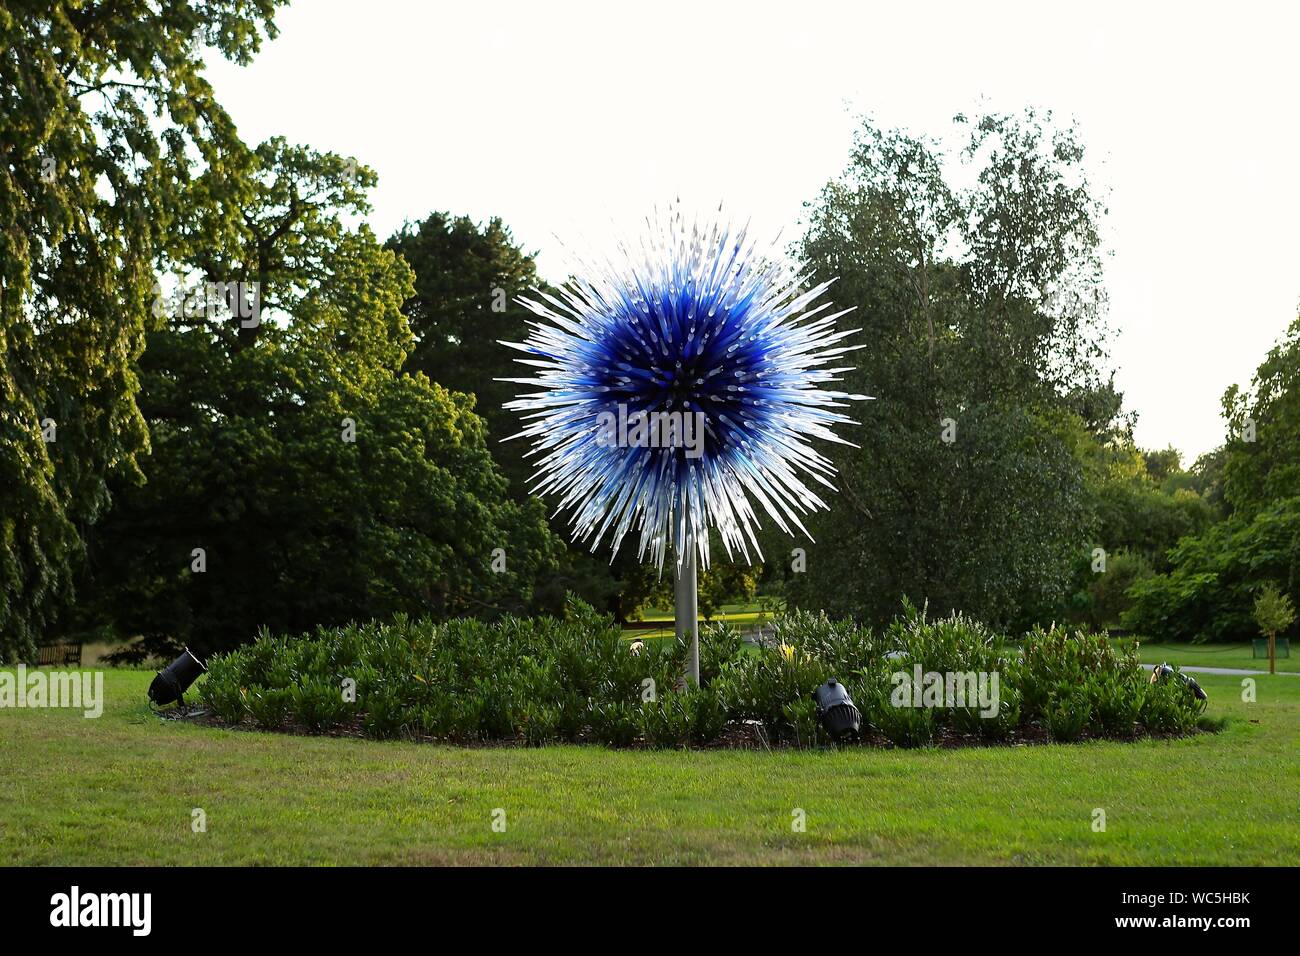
(1230, 671)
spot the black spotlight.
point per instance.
(836, 711)
(1164, 670)
(171, 684)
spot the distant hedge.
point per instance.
(543, 680)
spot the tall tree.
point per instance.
(466, 280)
(1162, 464)
(1206, 476)
(298, 478)
(981, 312)
(1140, 506)
(103, 109)
(1262, 457)
(1144, 505)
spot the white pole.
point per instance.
(686, 614)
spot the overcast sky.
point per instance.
(563, 117)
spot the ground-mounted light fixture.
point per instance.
(170, 685)
(1164, 671)
(836, 711)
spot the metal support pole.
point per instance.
(687, 614)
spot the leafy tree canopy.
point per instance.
(1274, 611)
(981, 309)
(1262, 460)
(1208, 594)
(466, 279)
(104, 114)
(321, 483)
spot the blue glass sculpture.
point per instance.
(679, 388)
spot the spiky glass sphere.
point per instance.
(694, 323)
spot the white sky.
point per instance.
(559, 117)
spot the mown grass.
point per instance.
(1212, 655)
(743, 617)
(121, 790)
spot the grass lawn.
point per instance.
(745, 617)
(120, 790)
(1212, 655)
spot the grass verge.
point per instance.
(121, 789)
(1212, 655)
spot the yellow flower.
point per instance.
(787, 652)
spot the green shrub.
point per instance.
(1067, 714)
(840, 645)
(269, 706)
(759, 686)
(225, 701)
(1169, 707)
(541, 725)
(574, 678)
(1003, 724)
(1000, 724)
(665, 722)
(706, 714)
(221, 690)
(1117, 703)
(804, 729)
(902, 726)
(615, 723)
(954, 643)
(389, 715)
(318, 704)
(720, 644)
(1066, 672)
(438, 718)
(693, 716)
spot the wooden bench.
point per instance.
(59, 654)
(1259, 647)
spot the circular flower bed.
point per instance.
(918, 682)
